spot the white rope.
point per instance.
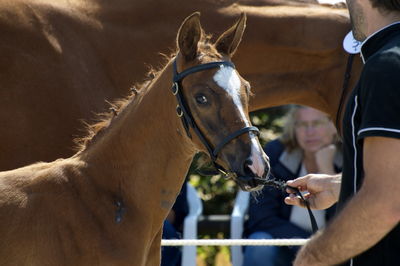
(233, 242)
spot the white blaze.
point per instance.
(258, 166)
(228, 79)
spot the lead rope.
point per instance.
(346, 81)
(281, 185)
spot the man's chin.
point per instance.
(359, 36)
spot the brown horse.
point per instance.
(106, 204)
(61, 60)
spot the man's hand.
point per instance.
(323, 190)
(367, 217)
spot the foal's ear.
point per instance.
(230, 39)
(189, 35)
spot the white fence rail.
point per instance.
(233, 242)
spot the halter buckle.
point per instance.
(175, 88)
(179, 111)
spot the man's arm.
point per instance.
(369, 215)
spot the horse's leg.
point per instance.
(154, 256)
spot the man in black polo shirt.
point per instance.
(366, 230)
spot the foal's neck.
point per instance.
(145, 149)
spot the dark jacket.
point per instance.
(268, 212)
(373, 111)
(181, 208)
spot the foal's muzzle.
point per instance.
(248, 181)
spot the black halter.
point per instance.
(187, 119)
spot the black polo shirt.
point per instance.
(373, 110)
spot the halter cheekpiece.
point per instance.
(184, 113)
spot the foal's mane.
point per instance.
(102, 120)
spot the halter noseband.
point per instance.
(186, 117)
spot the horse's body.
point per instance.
(60, 60)
(106, 204)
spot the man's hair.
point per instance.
(386, 5)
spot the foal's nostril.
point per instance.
(246, 167)
(248, 162)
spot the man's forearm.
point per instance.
(361, 224)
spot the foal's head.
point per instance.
(216, 98)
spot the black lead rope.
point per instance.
(281, 185)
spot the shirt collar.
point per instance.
(377, 40)
(293, 159)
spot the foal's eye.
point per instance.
(201, 99)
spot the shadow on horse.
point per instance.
(106, 204)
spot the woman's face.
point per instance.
(313, 129)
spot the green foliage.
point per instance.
(216, 193)
(269, 121)
(208, 253)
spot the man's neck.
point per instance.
(378, 19)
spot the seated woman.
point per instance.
(306, 146)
